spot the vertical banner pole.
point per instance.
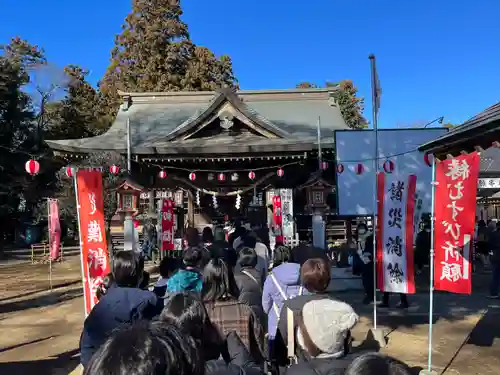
(50, 247)
(80, 238)
(431, 265)
(375, 105)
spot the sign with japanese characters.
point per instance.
(396, 209)
(167, 225)
(455, 209)
(93, 245)
(287, 213)
(488, 183)
(277, 219)
(54, 229)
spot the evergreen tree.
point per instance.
(79, 114)
(154, 53)
(350, 104)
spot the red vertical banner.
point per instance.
(167, 225)
(54, 229)
(277, 218)
(93, 244)
(455, 211)
(395, 211)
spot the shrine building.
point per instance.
(226, 154)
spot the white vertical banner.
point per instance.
(396, 208)
(287, 210)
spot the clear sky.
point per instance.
(435, 57)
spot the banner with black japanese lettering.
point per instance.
(455, 210)
(167, 225)
(396, 205)
(93, 244)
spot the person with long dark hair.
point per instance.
(147, 349)
(377, 364)
(187, 312)
(220, 295)
(124, 303)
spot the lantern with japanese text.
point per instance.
(251, 175)
(114, 169)
(69, 172)
(221, 177)
(388, 166)
(340, 168)
(324, 165)
(359, 168)
(162, 174)
(128, 197)
(280, 172)
(192, 176)
(32, 167)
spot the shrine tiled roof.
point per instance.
(158, 121)
(481, 130)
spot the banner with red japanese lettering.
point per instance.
(167, 225)
(277, 219)
(93, 244)
(54, 229)
(396, 206)
(455, 211)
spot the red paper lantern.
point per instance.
(221, 177)
(359, 169)
(324, 165)
(192, 176)
(251, 175)
(162, 174)
(388, 166)
(114, 169)
(280, 172)
(69, 172)
(32, 167)
(340, 168)
(427, 160)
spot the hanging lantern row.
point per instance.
(234, 177)
(32, 167)
(388, 166)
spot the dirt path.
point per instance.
(41, 330)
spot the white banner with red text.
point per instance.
(396, 206)
(93, 244)
(455, 210)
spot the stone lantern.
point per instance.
(128, 194)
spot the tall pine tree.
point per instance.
(350, 104)
(154, 53)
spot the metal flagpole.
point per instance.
(375, 105)
(129, 148)
(319, 143)
(431, 276)
(50, 248)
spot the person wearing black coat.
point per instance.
(249, 282)
(123, 304)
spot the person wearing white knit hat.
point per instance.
(324, 334)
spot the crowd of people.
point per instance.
(225, 308)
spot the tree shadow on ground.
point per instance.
(7, 348)
(27, 294)
(41, 301)
(61, 364)
(486, 330)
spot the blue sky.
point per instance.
(435, 58)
